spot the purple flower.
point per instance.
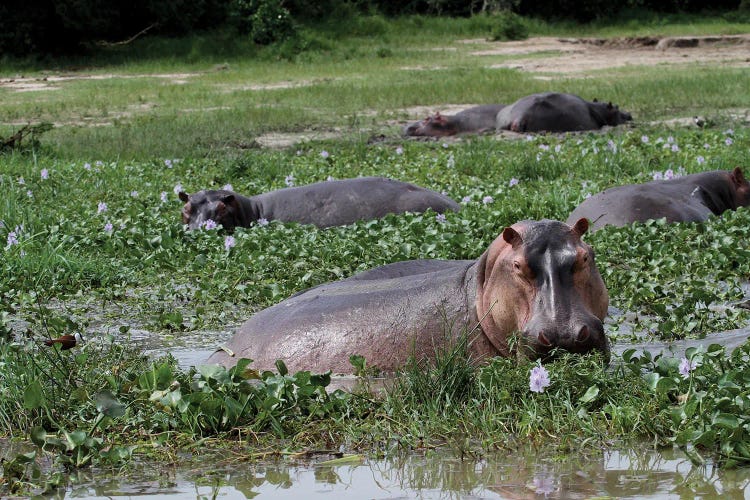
(87, 166)
(729, 131)
(587, 196)
(675, 148)
(102, 207)
(289, 179)
(209, 224)
(706, 146)
(229, 242)
(728, 141)
(163, 196)
(529, 137)
(487, 199)
(595, 150)
(262, 221)
(134, 194)
(658, 176)
(21, 181)
(440, 218)
(686, 366)
(45, 173)
(399, 150)
(612, 146)
(538, 379)
(544, 484)
(466, 199)
(700, 160)
(299, 152)
(513, 182)
(12, 239)
(227, 187)
(669, 174)
(659, 140)
(330, 178)
(98, 163)
(108, 227)
(644, 139)
(558, 148)
(544, 147)
(29, 193)
(445, 145)
(168, 163)
(324, 154)
(177, 188)
(451, 161)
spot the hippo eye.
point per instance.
(517, 266)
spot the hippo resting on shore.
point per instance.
(555, 112)
(469, 121)
(325, 204)
(538, 278)
(691, 198)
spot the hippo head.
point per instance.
(436, 125)
(741, 187)
(219, 206)
(539, 278)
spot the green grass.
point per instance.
(68, 272)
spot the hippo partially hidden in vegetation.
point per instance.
(554, 112)
(691, 198)
(324, 204)
(473, 120)
(538, 278)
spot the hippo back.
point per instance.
(341, 202)
(385, 315)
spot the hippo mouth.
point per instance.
(547, 346)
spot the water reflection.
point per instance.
(530, 473)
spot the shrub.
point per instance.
(266, 21)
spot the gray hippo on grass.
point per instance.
(555, 112)
(537, 278)
(473, 120)
(691, 198)
(324, 204)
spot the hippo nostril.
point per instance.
(544, 340)
(584, 334)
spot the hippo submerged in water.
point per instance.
(538, 278)
(473, 120)
(324, 204)
(691, 198)
(555, 112)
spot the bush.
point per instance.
(509, 26)
(266, 21)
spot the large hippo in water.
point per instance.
(537, 278)
(555, 112)
(325, 204)
(690, 198)
(473, 120)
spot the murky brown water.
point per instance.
(533, 473)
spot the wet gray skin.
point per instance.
(472, 120)
(555, 112)
(691, 198)
(537, 278)
(324, 204)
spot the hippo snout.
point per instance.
(578, 337)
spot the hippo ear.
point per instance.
(580, 227)
(228, 199)
(609, 105)
(184, 196)
(737, 177)
(596, 100)
(512, 237)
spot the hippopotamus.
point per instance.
(556, 112)
(473, 120)
(691, 198)
(537, 278)
(324, 204)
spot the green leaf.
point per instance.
(107, 404)
(33, 396)
(590, 394)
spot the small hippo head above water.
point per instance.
(220, 206)
(540, 279)
(436, 125)
(611, 114)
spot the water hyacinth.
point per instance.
(101, 207)
(163, 196)
(289, 179)
(686, 366)
(558, 148)
(177, 188)
(700, 160)
(108, 227)
(669, 174)
(12, 239)
(209, 224)
(262, 221)
(675, 148)
(29, 193)
(229, 242)
(513, 182)
(21, 181)
(728, 141)
(399, 150)
(538, 379)
(87, 166)
(330, 178)
(487, 199)
(168, 163)
(324, 154)
(134, 194)
(445, 145)
(45, 174)
(466, 199)
(644, 139)
(451, 162)
(441, 218)
(227, 187)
